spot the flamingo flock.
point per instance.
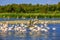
(23, 28)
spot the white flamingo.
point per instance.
(54, 28)
(35, 28)
(45, 30)
(23, 29)
(10, 28)
(22, 24)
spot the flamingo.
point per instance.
(45, 30)
(35, 28)
(22, 24)
(54, 28)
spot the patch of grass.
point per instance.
(29, 15)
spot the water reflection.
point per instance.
(35, 34)
(1, 37)
(3, 34)
(20, 34)
(31, 35)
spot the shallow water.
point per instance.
(8, 19)
(50, 35)
(14, 35)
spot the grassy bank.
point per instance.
(29, 15)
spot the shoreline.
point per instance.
(27, 21)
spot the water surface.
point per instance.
(50, 35)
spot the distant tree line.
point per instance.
(29, 8)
